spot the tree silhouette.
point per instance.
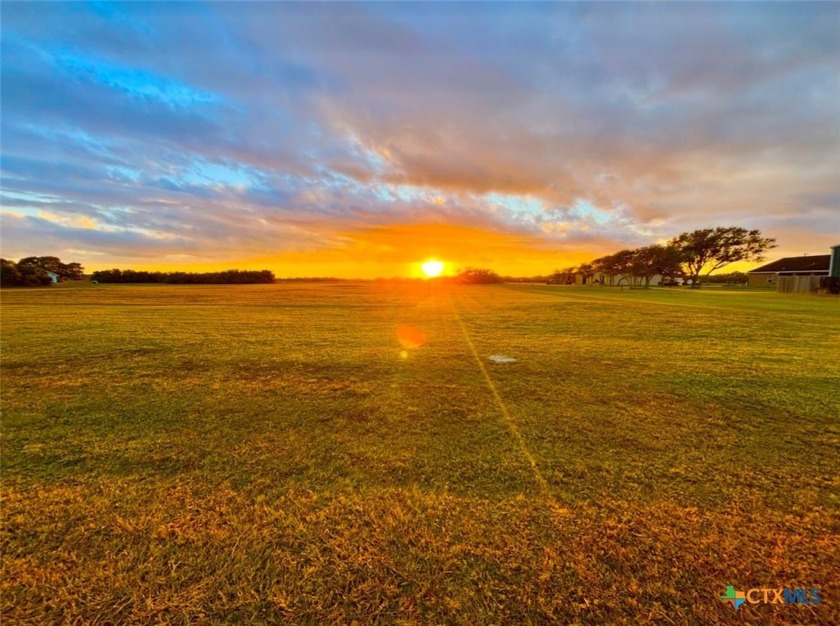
(710, 249)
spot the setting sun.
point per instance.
(432, 268)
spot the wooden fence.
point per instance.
(797, 284)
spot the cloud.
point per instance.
(315, 134)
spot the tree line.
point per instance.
(33, 271)
(690, 257)
(227, 277)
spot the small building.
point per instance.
(53, 277)
(768, 275)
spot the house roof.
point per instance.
(815, 263)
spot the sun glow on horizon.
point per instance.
(432, 268)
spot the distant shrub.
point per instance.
(477, 276)
(732, 278)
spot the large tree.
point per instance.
(587, 270)
(26, 275)
(33, 276)
(69, 271)
(710, 249)
(649, 261)
(9, 273)
(614, 265)
(562, 277)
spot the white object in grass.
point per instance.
(498, 358)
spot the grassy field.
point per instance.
(247, 454)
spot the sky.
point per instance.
(359, 139)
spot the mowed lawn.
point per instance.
(250, 454)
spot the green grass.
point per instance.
(241, 454)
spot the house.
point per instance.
(816, 265)
(53, 277)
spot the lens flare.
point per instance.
(432, 268)
(410, 338)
